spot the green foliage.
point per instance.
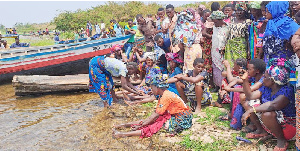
(216, 145)
(213, 114)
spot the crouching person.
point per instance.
(169, 107)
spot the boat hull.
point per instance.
(55, 60)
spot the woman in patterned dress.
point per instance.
(236, 46)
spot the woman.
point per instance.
(174, 63)
(206, 44)
(169, 106)
(236, 46)
(276, 110)
(228, 10)
(101, 70)
(258, 19)
(219, 37)
(116, 52)
(185, 33)
(279, 30)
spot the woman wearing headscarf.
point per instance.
(237, 44)
(173, 63)
(101, 70)
(276, 110)
(257, 20)
(169, 106)
(219, 39)
(116, 52)
(278, 34)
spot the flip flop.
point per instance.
(281, 149)
(252, 135)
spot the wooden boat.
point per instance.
(62, 59)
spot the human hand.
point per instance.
(179, 76)
(245, 76)
(226, 63)
(227, 88)
(245, 116)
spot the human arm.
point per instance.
(125, 86)
(205, 34)
(254, 87)
(247, 89)
(140, 58)
(131, 56)
(196, 79)
(230, 77)
(124, 57)
(147, 121)
(277, 104)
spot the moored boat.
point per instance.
(62, 59)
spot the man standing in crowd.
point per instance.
(129, 29)
(148, 30)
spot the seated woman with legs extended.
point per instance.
(169, 106)
(275, 113)
(195, 82)
(151, 69)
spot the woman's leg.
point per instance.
(180, 88)
(270, 121)
(118, 134)
(199, 94)
(127, 124)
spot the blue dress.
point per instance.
(287, 91)
(101, 70)
(172, 86)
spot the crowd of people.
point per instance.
(247, 52)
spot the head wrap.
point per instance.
(242, 5)
(281, 71)
(255, 4)
(280, 25)
(173, 56)
(150, 55)
(217, 15)
(115, 47)
(202, 7)
(159, 80)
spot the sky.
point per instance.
(45, 11)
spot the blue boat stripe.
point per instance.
(91, 44)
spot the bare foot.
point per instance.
(197, 110)
(119, 126)
(117, 134)
(105, 104)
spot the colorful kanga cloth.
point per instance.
(190, 54)
(236, 46)
(186, 28)
(206, 47)
(101, 70)
(181, 116)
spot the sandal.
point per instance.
(282, 149)
(252, 135)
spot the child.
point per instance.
(170, 106)
(194, 81)
(230, 75)
(228, 10)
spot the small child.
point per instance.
(195, 81)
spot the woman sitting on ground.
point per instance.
(101, 70)
(151, 70)
(174, 62)
(276, 110)
(169, 106)
(137, 56)
(194, 81)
